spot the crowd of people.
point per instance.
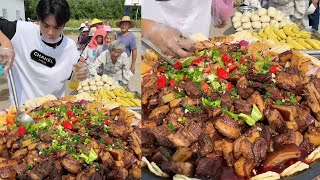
(42, 58)
(95, 38)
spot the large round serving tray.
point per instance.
(309, 174)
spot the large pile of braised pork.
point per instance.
(185, 135)
(72, 141)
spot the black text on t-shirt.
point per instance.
(42, 58)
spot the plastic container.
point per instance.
(74, 83)
(5, 52)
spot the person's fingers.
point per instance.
(174, 47)
(165, 50)
(3, 60)
(8, 65)
(82, 75)
(186, 43)
(82, 71)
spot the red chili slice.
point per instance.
(177, 65)
(107, 122)
(224, 58)
(229, 86)
(67, 125)
(172, 82)
(232, 67)
(161, 82)
(205, 87)
(244, 59)
(273, 69)
(74, 119)
(48, 114)
(160, 69)
(22, 130)
(223, 74)
(231, 60)
(197, 61)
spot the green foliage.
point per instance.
(75, 23)
(89, 9)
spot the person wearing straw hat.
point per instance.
(96, 23)
(80, 35)
(83, 35)
(82, 26)
(128, 39)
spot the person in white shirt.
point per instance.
(43, 56)
(115, 62)
(89, 54)
(167, 23)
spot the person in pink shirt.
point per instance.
(90, 52)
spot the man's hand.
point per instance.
(315, 2)
(133, 68)
(6, 58)
(170, 40)
(81, 71)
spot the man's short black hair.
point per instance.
(58, 8)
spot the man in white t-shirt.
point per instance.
(44, 57)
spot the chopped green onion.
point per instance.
(171, 127)
(256, 114)
(248, 119)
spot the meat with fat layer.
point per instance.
(72, 165)
(289, 82)
(242, 106)
(282, 154)
(313, 99)
(159, 113)
(243, 88)
(275, 119)
(206, 144)
(289, 137)
(161, 134)
(40, 171)
(172, 168)
(187, 135)
(191, 89)
(228, 127)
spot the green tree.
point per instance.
(89, 9)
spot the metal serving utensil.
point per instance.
(22, 118)
(149, 45)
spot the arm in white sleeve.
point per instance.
(97, 63)
(126, 72)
